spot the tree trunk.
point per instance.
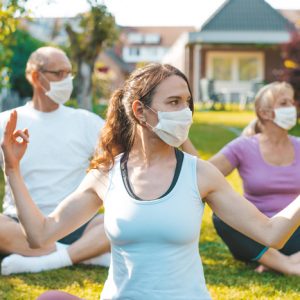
(84, 85)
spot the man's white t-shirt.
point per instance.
(61, 144)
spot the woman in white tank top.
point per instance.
(153, 194)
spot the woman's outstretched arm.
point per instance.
(220, 161)
(242, 215)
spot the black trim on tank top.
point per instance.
(124, 172)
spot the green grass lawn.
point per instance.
(226, 278)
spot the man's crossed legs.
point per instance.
(88, 245)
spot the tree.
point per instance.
(291, 57)
(9, 11)
(24, 46)
(96, 31)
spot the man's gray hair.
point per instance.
(39, 59)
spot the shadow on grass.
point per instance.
(82, 281)
(62, 278)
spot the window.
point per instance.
(221, 68)
(135, 38)
(248, 68)
(240, 67)
(152, 38)
(134, 51)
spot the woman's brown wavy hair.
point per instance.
(119, 130)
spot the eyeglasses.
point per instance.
(59, 73)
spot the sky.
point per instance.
(146, 12)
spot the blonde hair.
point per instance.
(267, 95)
(265, 98)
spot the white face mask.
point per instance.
(285, 117)
(173, 127)
(60, 91)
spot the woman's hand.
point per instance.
(14, 143)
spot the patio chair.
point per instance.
(248, 98)
(208, 94)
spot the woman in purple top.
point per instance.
(268, 161)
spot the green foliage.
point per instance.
(72, 103)
(226, 278)
(96, 31)
(24, 46)
(101, 110)
(8, 25)
(101, 86)
(291, 61)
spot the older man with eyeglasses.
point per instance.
(62, 140)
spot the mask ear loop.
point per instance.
(45, 90)
(144, 118)
(154, 111)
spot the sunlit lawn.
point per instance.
(226, 278)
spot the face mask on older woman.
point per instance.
(285, 117)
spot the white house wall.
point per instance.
(137, 54)
(176, 54)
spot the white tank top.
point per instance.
(154, 244)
